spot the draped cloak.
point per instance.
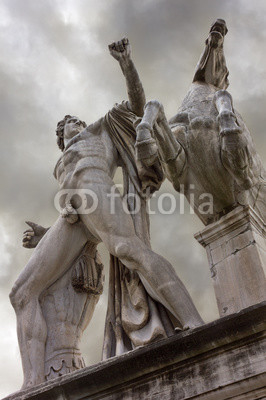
(133, 317)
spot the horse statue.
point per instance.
(206, 148)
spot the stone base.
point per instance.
(224, 359)
(236, 250)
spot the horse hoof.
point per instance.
(146, 151)
(228, 124)
(232, 139)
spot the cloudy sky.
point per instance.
(54, 60)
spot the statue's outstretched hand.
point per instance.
(120, 50)
(32, 236)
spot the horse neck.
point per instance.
(198, 92)
(211, 68)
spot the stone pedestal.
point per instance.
(224, 359)
(236, 250)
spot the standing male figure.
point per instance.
(89, 160)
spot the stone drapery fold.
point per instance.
(133, 317)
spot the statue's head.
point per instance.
(211, 67)
(219, 26)
(67, 128)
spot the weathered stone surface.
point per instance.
(206, 149)
(146, 298)
(208, 154)
(237, 259)
(224, 359)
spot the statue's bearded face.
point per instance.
(72, 127)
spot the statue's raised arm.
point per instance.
(121, 51)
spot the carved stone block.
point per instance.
(235, 248)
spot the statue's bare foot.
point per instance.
(189, 325)
(192, 325)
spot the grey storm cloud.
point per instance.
(54, 60)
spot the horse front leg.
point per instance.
(156, 139)
(145, 146)
(236, 150)
(230, 129)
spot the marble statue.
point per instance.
(206, 149)
(151, 300)
(68, 306)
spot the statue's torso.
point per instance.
(89, 153)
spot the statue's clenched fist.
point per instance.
(120, 50)
(32, 236)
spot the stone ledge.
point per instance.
(231, 222)
(220, 360)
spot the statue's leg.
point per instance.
(172, 154)
(227, 119)
(146, 148)
(234, 145)
(51, 258)
(115, 228)
(75, 295)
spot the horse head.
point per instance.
(211, 67)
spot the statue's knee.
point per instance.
(154, 104)
(122, 250)
(222, 94)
